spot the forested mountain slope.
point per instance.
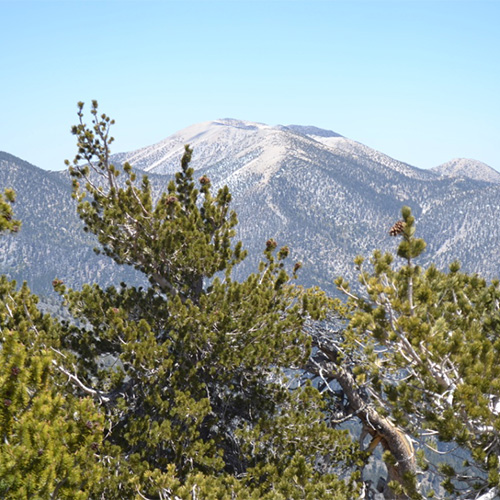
(327, 197)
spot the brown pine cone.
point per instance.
(397, 229)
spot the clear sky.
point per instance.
(418, 80)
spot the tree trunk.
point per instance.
(383, 432)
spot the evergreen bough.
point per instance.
(416, 352)
(192, 386)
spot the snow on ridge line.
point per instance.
(208, 132)
(243, 124)
(211, 139)
(468, 168)
(221, 139)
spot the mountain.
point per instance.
(327, 197)
(233, 144)
(51, 242)
(471, 169)
(330, 198)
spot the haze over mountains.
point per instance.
(327, 197)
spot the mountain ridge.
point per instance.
(327, 197)
(468, 168)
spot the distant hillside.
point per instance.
(51, 242)
(470, 169)
(327, 197)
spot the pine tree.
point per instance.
(194, 372)
(7, 223)
(416, 353)
(48, 441)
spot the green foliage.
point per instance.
(175, 242)
(7, 223)
(48, 441)
(430, 351)
(191, 371)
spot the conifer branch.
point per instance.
(102, 397)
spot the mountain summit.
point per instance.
(325, 196)
(212, 142)
(252, 145)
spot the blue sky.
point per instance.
(418, 80)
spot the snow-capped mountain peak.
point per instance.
(212, 142)
(259, 148)
(325, 196)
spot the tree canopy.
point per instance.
(193, 373)
(7, 223)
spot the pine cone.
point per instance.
(204, 180)
(397, 229)
(271, 244)
(170, 200)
